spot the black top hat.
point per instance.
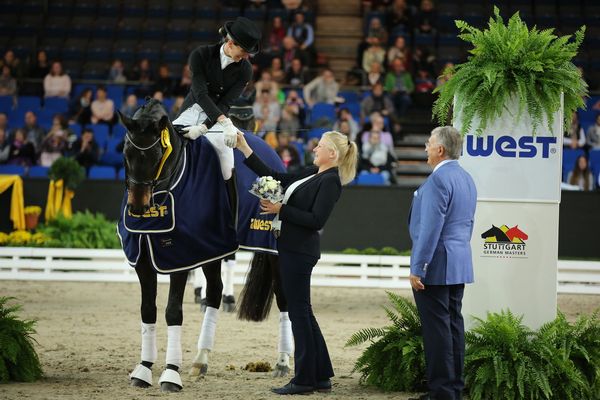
(244, 33)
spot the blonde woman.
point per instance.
(310, 196)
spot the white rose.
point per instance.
(272, 185)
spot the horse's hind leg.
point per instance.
(142, 374)
(170, 380)
(286, 339)
(214, 290)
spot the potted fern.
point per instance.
(512, 64)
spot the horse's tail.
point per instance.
(257, 294)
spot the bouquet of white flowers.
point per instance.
(267, 188)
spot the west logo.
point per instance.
(260, 224)
(153, 212)
(510, 147)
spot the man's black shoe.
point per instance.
(323, 386)
(292, 388)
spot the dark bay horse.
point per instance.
(177, 216)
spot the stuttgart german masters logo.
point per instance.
(504, 242)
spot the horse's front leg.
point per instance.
(206, 339)
(286, 338)
(142, 374)
(170, 380)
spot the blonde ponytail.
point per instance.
(347, 153)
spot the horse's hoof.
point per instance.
(198, 370)
(135, 382)
(168, 387)
(281, 371)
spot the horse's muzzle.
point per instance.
(138, 199)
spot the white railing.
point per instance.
(30, 263)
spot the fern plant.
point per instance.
(512, 62)
(83, 230)
(394, 360)
(18, 359)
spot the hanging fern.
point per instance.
(394, 361)
(512, 62)
(18, 359)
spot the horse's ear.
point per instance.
(163, 122)
(125, 120)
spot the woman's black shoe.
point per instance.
(323, 386)
(292, 388)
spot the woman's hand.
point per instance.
(269, 208)
(242, 145)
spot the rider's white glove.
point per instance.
(229, 132)
(195, 131)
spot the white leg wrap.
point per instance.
(286, 338)
(171, 376)
(225, 153)
(228, 281)
(149, 352)
(142, 373)
(174, 345)
(209, 327)
(200, 280)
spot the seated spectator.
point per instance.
(130, 106)
(144, 75)
(164, 83)
(399, 50)
(10, 59)
(59, 122)
(309, 155)
(377, 31)
(303, 34)
(275, 37)
(53, 147)
(291, 51)
(296, 75)
(8, 84)
(292, 113)
(376, 157)
(81, 108)
(103, 108)
(276, 71)
(423, 59)
(581, 175)
(593, 134)
(57, 83)
(86, 150)
(377, 101)
(322, 89)
(4, 146)
(288, 153)
(21, 150)
(344, 128)
(176, 108)
(424, 83)
(266, 83)
(399, 17)
(38, 70)
(374, 53)
(344, 115)
(3, 121)
(574, 136)
(34, 133)
(376, 74)
(183, 87)
(266, 111)
(158, 95)
(445, 74)
(399, 83)
(117, 72)
(426, 18)
(378, 125)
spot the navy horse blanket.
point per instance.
(192, 225)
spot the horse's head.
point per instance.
(490, 232)
(147, 147)
(516, 232)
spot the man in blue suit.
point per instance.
(441, 224)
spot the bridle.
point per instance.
(165, 141)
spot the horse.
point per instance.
(495, 233)
(167, 177)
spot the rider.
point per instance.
(220, 72)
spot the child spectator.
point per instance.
(21, 151)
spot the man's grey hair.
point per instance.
(451, 139)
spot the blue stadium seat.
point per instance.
(354, 108)
(56, 104)
(322, 110)
(121, 174)
(12, 170)
(568, 163)
(595, 164)
(101, 172)
(115, 93)
(118, 131)
(6, 104)
(37, 171)
(112, 159)
(100, 133)
(29, 103)
(370, 179)
(350, 96)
